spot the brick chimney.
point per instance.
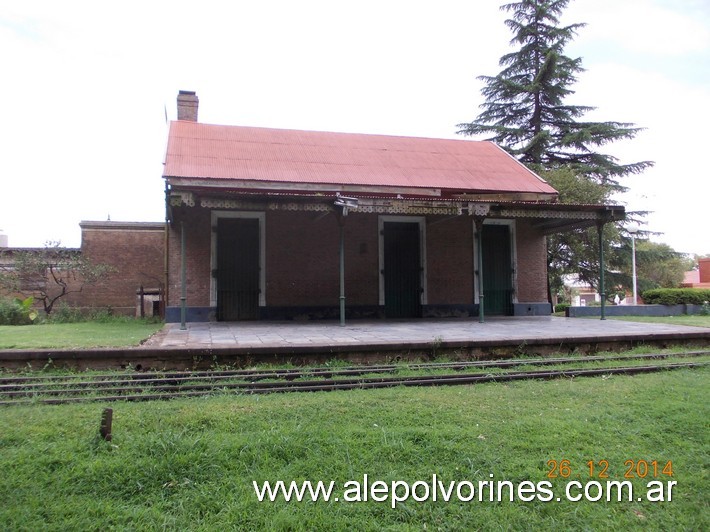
(187, 103)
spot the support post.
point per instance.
(342, 272)
(344, 204)
(602, 288)
(633, 267)
(183, 279)
(479, 256)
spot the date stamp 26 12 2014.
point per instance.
(600, 469)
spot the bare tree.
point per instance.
(49, 274)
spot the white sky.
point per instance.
(85, 85)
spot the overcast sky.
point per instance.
(86, 86)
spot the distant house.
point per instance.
(699, 278)
(581, 294)
(428, 227)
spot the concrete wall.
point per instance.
(634, 310)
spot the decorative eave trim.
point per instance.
(547, 218)
(364, 206)
(412, 206)
(181, 197)
(506, 197)
(529, 213)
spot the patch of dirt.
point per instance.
(156, 339)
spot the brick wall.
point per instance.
(704, 266)
(531, 250)
(450, 261)
(302, 260)
(134, 250)
(301, 253)
(362, 274)
(198, 234)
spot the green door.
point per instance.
(237, 269)
(402, 270)
(497, 271)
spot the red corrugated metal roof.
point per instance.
(215, 152)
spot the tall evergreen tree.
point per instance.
(576, 252)
(525, 108)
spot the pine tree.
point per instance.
(525, 108)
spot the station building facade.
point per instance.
(286, 224)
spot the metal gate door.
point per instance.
(402, 272)
(237, 269)
(497, 270)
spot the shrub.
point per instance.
(676, 296)
(17, 311)
(561, 307)
(105, 315)
(65, 314)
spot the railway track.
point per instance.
(59, 389)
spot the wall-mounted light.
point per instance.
(345, 203)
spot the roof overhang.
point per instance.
(545, 216)
(561, 217)
(266, 187)
(269, 187)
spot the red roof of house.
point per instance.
(215, 152)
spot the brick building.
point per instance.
(427, 227)
(699, 278)
(135, 251)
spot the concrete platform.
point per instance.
(242, 344)
(355, 333)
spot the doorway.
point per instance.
(402, 269)
(238, 269)
(497, 270)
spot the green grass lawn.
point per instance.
(189, 464)
(115, 333)
(695, 320)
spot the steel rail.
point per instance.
(101, 381)
(172, 391)
(10, 383)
